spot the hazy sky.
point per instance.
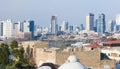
(73, 11)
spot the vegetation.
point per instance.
(12, 57)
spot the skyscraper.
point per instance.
(110, 26)
(89, 21)
(1, 28)
(81, 27)
(64, 26)
(16, 28)
(71, 28)
(118, 23)
(7, 28)
(54, 25)
(28, 26)
(101, 26)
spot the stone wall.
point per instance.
(88, 58)
(42, 56)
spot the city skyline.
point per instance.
(73, 11)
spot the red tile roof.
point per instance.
(112, 42)
(96, 44)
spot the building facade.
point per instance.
(89, 21)
(28, 26)
(101, 26)
(64, 26)
(7, 29)
(54, 25)
(118, 23)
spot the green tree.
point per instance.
(4, 54)
(14, 44)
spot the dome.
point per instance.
(45, 67)
(72, 63)
(72, 59)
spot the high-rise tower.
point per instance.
(54, 25)
(64, 26)
(101, 26)
(28, 26)
(89, 21)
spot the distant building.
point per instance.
(6, 29)
(28, 26)
(1, 28)
(54, 25)
(118, 23)
(81, 27)
(64, 26)
(77, 28)
(95, 25)
(70, 28)
(101, 26)
(110, 26)
(89, 21)
(16, 28)
(59, 28)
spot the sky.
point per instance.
(73, 11)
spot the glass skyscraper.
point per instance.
(101, 26)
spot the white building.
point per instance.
(112, 53)
(64, 26)
(7, 29)
(118, 23)
(26, 26)
(16, 28)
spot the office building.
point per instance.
(1, 28)
(64, 26)
(54, 25)
(89, 21)
(71, 28)
(16, 28)
(118, 23)
(110, 26)
(28, 26)
(101, 26)
(7, 29)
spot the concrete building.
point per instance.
(112, 53)
(54, 25)
(89, 21)
(16, 29)
(7, 29)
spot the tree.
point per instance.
(14, 44)
(4, 54)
